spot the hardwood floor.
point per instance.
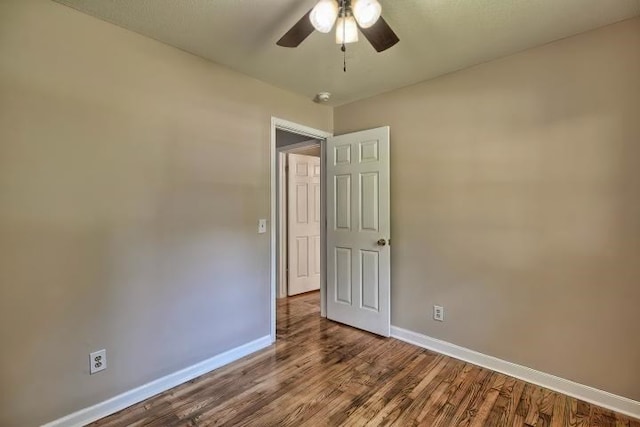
(321, 373)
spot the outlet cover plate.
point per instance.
(97, 361)
(438, 313)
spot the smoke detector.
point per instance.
(322, 97)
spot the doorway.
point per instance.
(290, 139)
(298, 215)
(355, 226)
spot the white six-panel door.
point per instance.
(303, 215)
(358, 230)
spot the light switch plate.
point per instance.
(262, 226)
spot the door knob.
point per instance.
(382, 242)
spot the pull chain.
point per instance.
(343, 48)
(344, 57)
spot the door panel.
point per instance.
(302, 256)
(370, 267)
(369, 204)
(315, 255)
(342, 210)
(343, 275)
(302, 203)
(358, 230)
(303, 224)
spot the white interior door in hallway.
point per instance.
(358, 230)
(303, 217)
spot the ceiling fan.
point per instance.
(349, 16)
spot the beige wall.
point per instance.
(132, 176)
(516, 205)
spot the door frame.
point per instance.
(277, 123)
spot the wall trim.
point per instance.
(589, 394)
(131, 397)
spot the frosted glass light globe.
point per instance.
(346, 30)
(367, 12)
(323, 15)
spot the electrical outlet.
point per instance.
(438, 313)
(97, 361)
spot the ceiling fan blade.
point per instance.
(380, 35)
(297, 33)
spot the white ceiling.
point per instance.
(436, 37)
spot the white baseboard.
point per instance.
(131, 397)
(605, 399)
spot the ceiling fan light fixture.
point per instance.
(323, 15)
(346, 30)
(366, 12)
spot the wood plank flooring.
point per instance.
(321, 373)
